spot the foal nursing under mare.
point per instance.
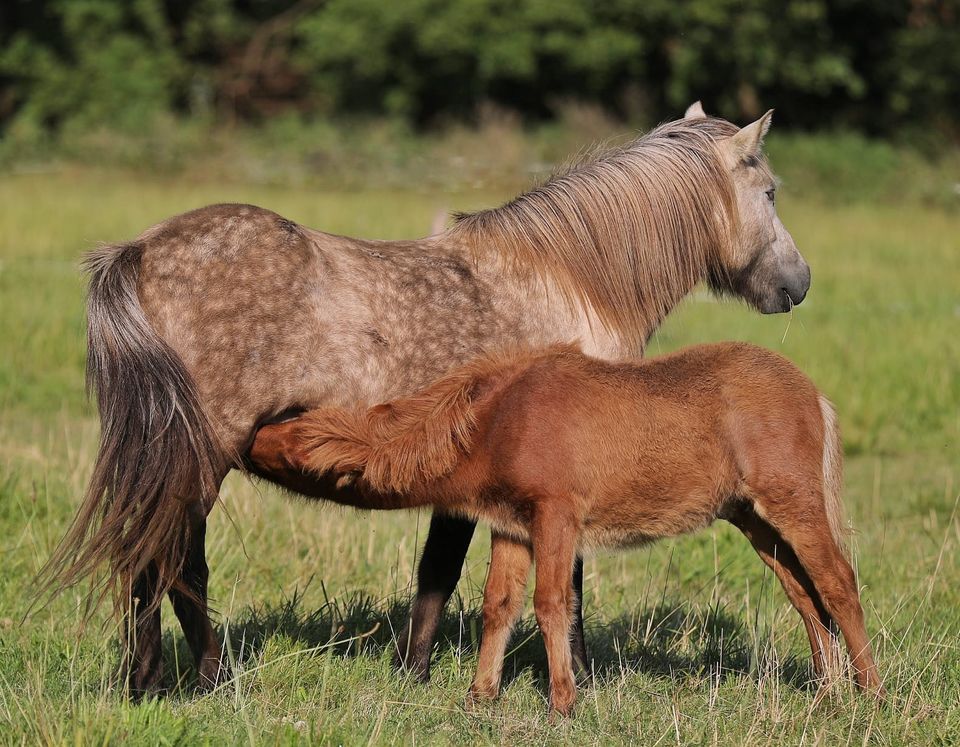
(214, 322)
(563, 454)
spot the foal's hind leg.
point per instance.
(191, 608)
(803, 523)
(554, 540)
(779, 556)
(502, 603)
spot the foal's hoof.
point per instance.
(562, 700)
(480, 692)
(874, 688)
(477, 696)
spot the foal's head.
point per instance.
(762, 264)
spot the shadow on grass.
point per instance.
(668, 640)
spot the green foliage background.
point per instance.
(878, 66)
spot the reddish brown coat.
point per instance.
(562, 453)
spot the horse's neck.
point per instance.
(533, 312)
(541, 315)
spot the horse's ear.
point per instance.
(746, 143)
(695, 111)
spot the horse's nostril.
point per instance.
(795, 295)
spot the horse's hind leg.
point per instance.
(143, 652)
(190, 606)
(780, 558)
(804, 524)
(578, 644)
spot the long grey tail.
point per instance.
(158, 454)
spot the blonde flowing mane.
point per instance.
(627, 233)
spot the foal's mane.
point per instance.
(626, 233)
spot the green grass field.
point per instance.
(693, 642)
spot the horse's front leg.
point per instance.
(440, 567)
(277, 455)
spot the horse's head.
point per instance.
(762, 264)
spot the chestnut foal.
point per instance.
(562, 453)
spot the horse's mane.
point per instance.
(628, 232)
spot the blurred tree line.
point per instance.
(878, 66)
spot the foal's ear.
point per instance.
(747, 142)
(695, 111)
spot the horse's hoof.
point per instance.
(211, 674)
(140, 693)
(144, 685)
(414, 667)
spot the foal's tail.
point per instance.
(396, 446)
(158, 454)
(833, 474)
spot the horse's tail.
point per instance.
(159, 456)
(400, 445)
(833, 474)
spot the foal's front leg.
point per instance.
(554, 548)
(502, 603)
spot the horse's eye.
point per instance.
(771, 194)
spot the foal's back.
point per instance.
(651, 448)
